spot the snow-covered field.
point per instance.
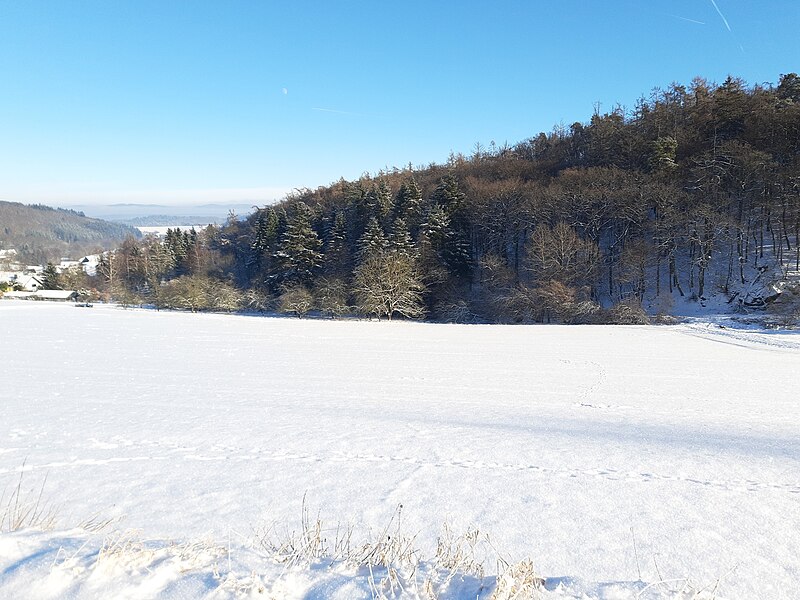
(624, 462)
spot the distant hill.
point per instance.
(40, 233)
(123, 213)
(171, 221)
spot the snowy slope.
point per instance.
(607, 455)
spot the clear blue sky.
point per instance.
(170, 101)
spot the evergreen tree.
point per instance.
(400, 241)
(357, 198)
(449, 244)
(373, 241)
(448, 226)
(436, 227)
(177, 245)
(50, 277)
(337, 255)
(408, 205)
(384, 202)
(449, 196)
(264, 238)
(300, 252)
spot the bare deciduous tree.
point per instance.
(387, 284)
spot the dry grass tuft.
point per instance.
(518, 582)
(25, 509)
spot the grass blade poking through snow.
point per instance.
(24, 509)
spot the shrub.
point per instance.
(296, 299)
(196, 292)
(331, 297)
(628, 312)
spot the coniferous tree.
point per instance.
(449, 196)
(399, 240)
(408, 205)
(383, 200)
(50, 277)
(452, 238)
(264, 240)
(337, 254)
(448, 244)
(373, 241)
(357, 199)
(300, 252)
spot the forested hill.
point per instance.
(40, 233)
(691, 196)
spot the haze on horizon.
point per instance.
(240, 102)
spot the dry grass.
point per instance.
(23, 509)
(390, 561)
(517, 582)
(394, 565)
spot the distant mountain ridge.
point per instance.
(125, 212)
(171, 221)
(41, 233)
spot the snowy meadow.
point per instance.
(227, 456)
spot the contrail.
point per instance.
(338, 112)
(687, 19)
(719, 12)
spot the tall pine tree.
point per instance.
(300, 252)
(373, 241)
(408, 205)
(337, 254)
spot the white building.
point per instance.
(59, 295)
(28, 283)
(89, 264)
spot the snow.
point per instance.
(623, 461)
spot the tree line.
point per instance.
(695, 191)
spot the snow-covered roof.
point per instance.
(55, 294)
(29, 282)
(43, 295)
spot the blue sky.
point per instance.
(175, 102)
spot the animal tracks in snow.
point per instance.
(220, 453)
(79, 462)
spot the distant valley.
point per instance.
(40, 233)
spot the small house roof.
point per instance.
(55, 294)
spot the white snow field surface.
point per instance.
(623, 462)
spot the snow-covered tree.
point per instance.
(408, 205)
(373, 241)
(389, 284)
(399, 241)
(300, 252)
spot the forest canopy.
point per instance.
(695, 191)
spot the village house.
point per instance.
(89, 264)
(56, 295)
(66, 264)
(27, 283)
